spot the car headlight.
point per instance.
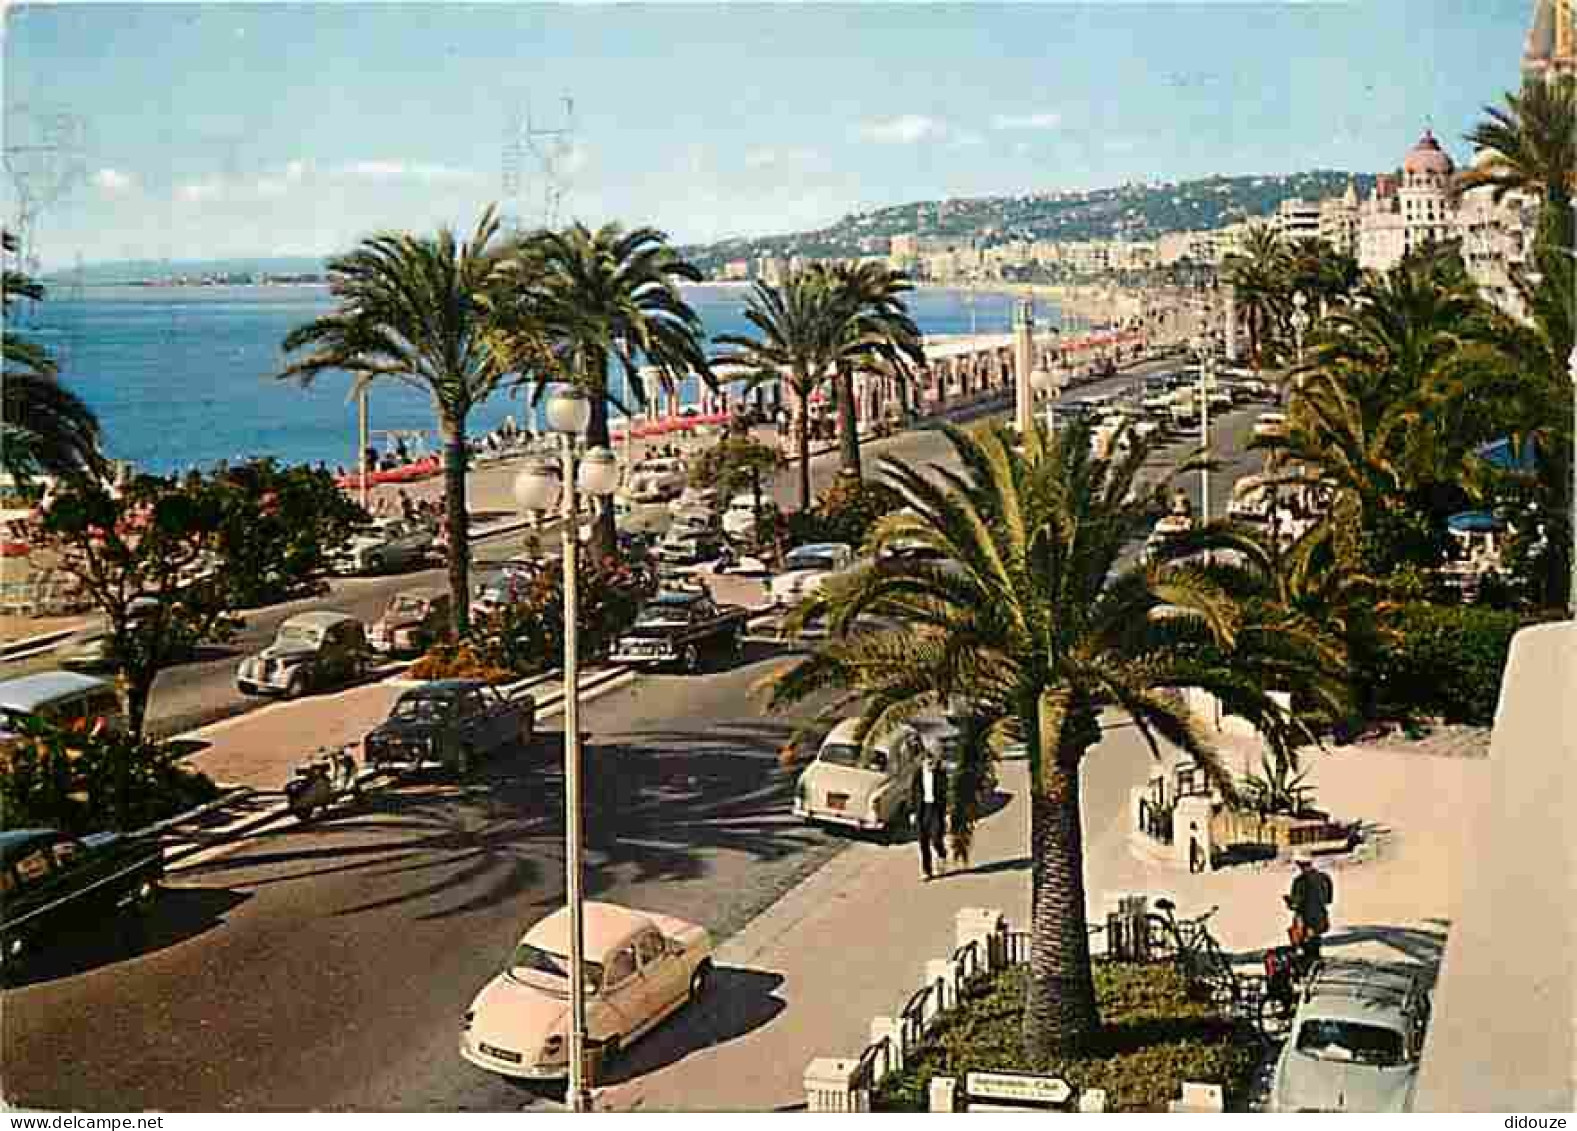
(553, 1047)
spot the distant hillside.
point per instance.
(1134, 212)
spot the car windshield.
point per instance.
(1351, 1041)
(423, 708)
(298, 635)
(664, 614)
(538, 967)
(848, 754)
(798, 560)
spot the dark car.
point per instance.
(677, 627)
(689, 547)
(51, 881)
(450, 723)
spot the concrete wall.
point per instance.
(1502, 1034)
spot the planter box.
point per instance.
(1284, 833)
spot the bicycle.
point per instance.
(1202, 963)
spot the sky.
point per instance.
(220, 129)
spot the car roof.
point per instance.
(12, 839)
(605, 927)
(844, 733)
(821, 547)
(26, 693)
(443, 687)
(320, 619)
(1361, 992)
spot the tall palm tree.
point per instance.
(1258, 274)
(880, 338)
(613, 294)
(44, 427)
(1033, 624)
(800, 336)
(1530, 146)
(419, 310)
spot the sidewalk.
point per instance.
(851, 941)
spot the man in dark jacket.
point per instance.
(1309, 901)
(928, 803)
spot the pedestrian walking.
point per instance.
(1196, 851)
(407, 508)
(1309, 900)
(928, 803)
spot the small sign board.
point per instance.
(1018, 1088)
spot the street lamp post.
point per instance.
(597, 473)
(1300, 323)
(1202, 345)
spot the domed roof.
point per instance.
(1428, 157)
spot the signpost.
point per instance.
(1002, 1091)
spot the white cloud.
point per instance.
(197, 192)
(113, 181)
(906, 129)
(1048, 120)
(407, 170)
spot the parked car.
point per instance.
(386, 544)
(88, 650)
(1269, 425)
(739, 520)
(657, 480)
(309, 650)
(682, 547)
(500, 586)
(66, 699)
(806, 569)
(414, 619)
(1355, 1040)
(695, 498)
(638, 968)
(51, 881)
(449, 723)
(1167, 529)
(678, 628)
(693, 520)
(863, 788)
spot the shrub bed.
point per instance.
(1153, 1038)
(1447, 660)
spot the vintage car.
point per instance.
(695, 498)
(1168, 529)
(686, 547)
(88, 649)
(693, 520)
(863, 788)
(310, 650)
(1355, 1040)
(414, 619)
(1270, 425)
(51, 881)
(449, 723)
(678, 628)
(638, 968)
(739, 520)
(806, 568)
(386, 544)
(657, 480)
(497, 588)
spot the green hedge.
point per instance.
(1447, 660)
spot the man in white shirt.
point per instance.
(928, 803)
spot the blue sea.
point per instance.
(184, 376)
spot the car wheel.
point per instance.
(691, 659)
(296, 686)
(375, 563)
(700, 980)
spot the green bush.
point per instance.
(1153, 1037)
(70, 779)
(1445, 660)
(844, 512)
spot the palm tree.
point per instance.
(44, 427)
(613, 294)
(1530, 147)
(800, 326)
(1033, 624)
(420, 310)
(1258, 276)
(880, 338)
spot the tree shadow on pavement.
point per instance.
(737, 1002)
(176, 915)
(1413, 944)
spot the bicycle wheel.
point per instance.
(1160, 939)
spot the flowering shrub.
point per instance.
(449, 660)
(844, 512)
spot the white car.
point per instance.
(1355, 1040)
(657, 480)
(695, 498)
(1270, 424)
(639, 967)
(388, 543)
(739, 520)
(860, 788)
(807, 568)
(1168, 528)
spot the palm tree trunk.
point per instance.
(802, 438)
(458, 551)
(1059, 1007)
(604, 534)
(848, 425)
